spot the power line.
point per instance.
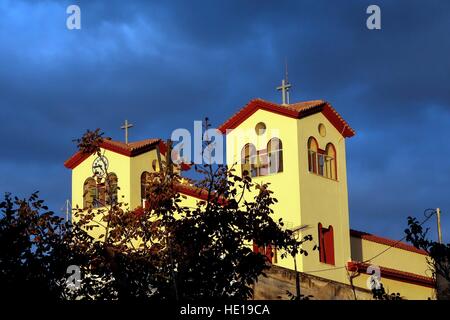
(428, 217)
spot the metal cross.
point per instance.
(285, 85)
(125, 127)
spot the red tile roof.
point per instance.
(296, 110)
(196, 192)
(131, 149)
(385, 241)
(394, 274)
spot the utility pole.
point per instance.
(297, 279)
(438, 215)
(67, 209)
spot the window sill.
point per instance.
(318, 175)
(267, 175)
(327, 264)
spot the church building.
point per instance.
(300, 149)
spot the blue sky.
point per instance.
(162, 65)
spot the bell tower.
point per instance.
(299, 149)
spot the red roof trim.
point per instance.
(386, 241)
(76, 159)
(196, 192)
(394, 274)
(337, 121)
(192, 191)
(290, 111)
(117, 147)
(251, 108)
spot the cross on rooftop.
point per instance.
(285, 86)
(125, 127)
(284, 91)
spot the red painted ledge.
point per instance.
(394, 274)
(386, 241)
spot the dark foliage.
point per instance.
(439, 254)
(31, 239)
(164, 251)
(381, 294)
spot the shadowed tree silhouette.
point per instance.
(163, 251)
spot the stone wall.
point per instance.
(280, 280)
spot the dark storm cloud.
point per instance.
(162, 65)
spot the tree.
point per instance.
(170, 251)
(439, 255)
(379, 293)
(31, 238)
(163, 251)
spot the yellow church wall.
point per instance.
(128, 171)
(118, 164)
(394, 258)
(189, 201)
(324, 200)
(407, 290)
(285, 184)
(304, 198)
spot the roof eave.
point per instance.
(329, 112)
(79, 156)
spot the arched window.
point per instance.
(248, 160)
(275, 154)
(89, 193)
(111, 189)
(145, 184)
(101, 195)
(313, 148)
(154, 164)
(330, 163)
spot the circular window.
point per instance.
(322, 130)
(260, 128)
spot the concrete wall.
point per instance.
(279, 280)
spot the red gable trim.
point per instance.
(394, 274)
(386, 241)
(337, 121)
(290, 111)
(251, 108)
(196, 192)
(76, 159)
(79, 156)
